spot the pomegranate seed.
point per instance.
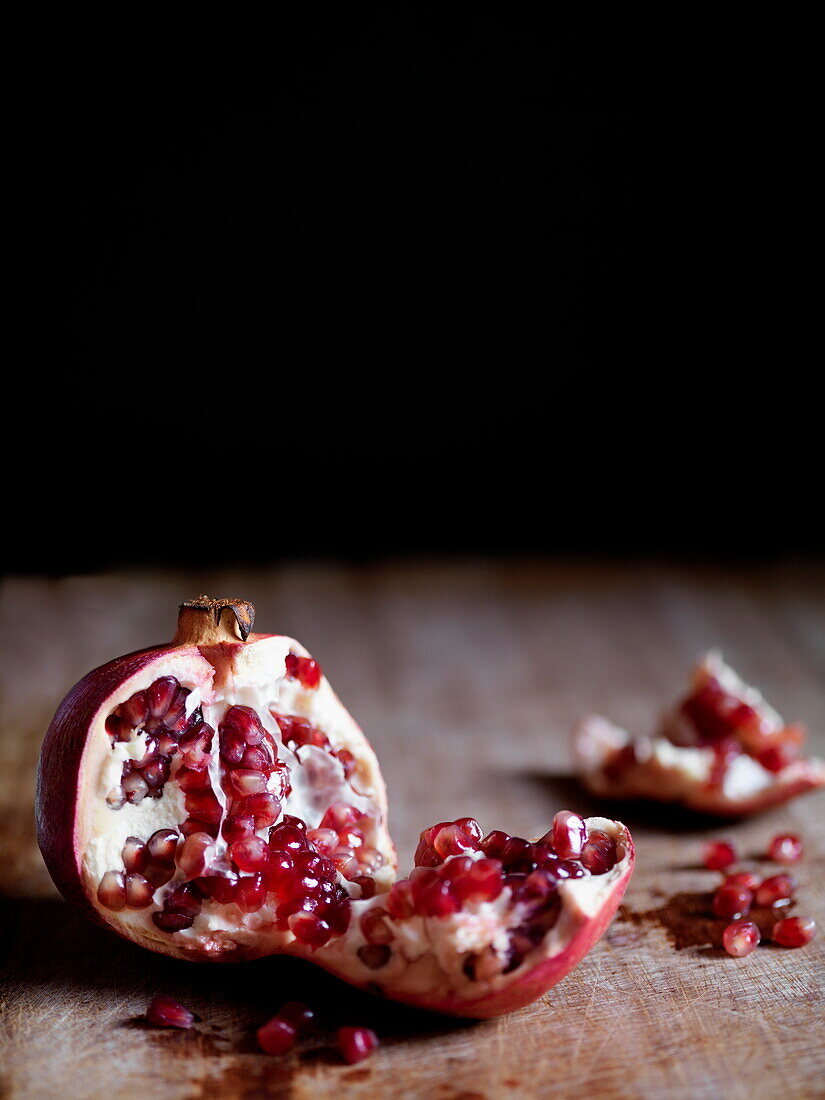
(375, 928)
(183, 900)
(732, 901)
(399, 901)
(255, 758)
(339, 816)
(232, 746)
(111, 890)
(160, 695)
(494, 843)
(159, 873)
(374, 955)
(279, 873)
(244, 721)
(135, 710)
(356, 1043)
(277, 1036)
(286, 837)
(237, 827)
(245, 782)
(265, 809)
(432, 895)
(156, 773)
(220, 888)
(367, 885)
(204, 806)
(740, 938)
(139, 892)
(785, 848)
(795, 931)
(569, 834)
(172, 922)
(599, 853)
(482, 881)
(135, 854)
(452, 841)
(193, 780)
(718, 855)
(250, 894)
(743, 878)
(297, 1015)
(776, 757)
(192, 857)
(776, 891)
(250, 854)
(309, 928)
(325, 840)
(164, 1012)
(162, 846)
(347, 761)
(135, 788)
(304, 669)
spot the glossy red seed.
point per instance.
(194, 854)
(265, 809)
(172, 921)
(356, 1043)
(309, 928)
(244, 721)
(160, 695)
(277, 1036)
(286, 837)
(775, 891)
(250, 893)
(111, 891)
(732, 901)
(165, 1012)
(303, 669)
(569, 834)
(718, 855)
(599, 853)
(245, 782)
(250, 854)
(399, 901)
(494, 843)
(297, 1015)
(740, 938)
(743, 878)
(452, 841)
(135, 854)
(776, 757)
(162, 846)
(238, 826)
(794, 931)
(785, 848)
(135, 710)
(221, 888)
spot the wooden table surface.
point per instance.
(466, 677)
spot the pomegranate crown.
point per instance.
(204, 621)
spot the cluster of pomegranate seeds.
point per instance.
(456, 864)
(146, 867)
(743, 890)
(280, 1034)
(356, 1043)
(296, 732)
(160, 713)
(248, 783)
(718, 855)
(730, 727)
(164, 1012)
(785, 848)
(304, 669)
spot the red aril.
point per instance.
(356, 1043)
(718, 855)
(740, 938)
(785, 848)
(794, 931)
(163, 1011)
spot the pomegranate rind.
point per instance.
(657, 769)
(588, 907)
(76, 747)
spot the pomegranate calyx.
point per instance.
(204, 621)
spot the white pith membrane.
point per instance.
(443, 961)
(672, 766)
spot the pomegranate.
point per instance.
(211, 799)
(740, 938)
(721, 750)
(795, 931)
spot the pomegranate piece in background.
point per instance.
(165, 1012)
(722, 750)
(273, 836)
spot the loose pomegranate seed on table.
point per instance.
(718, 855)
(785, 848)
(776, 891)
(277, 1036)
(731, 900)
(356, 1043)
(794, 931)
(163, 1011)
(741, 938)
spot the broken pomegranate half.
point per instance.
(212, 799)
(721, 750)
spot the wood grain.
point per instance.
(466, 677)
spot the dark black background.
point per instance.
(414, 284)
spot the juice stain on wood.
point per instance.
(688, 921)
